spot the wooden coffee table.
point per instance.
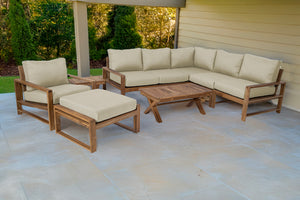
(176, 93)
(94, 81)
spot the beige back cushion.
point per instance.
(125, 60)
(228, 63)
(182, 57)
(46, 73)
(259, 69)
(156, 58)
(204, 58)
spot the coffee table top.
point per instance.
(164, 93)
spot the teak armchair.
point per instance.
(41, 84)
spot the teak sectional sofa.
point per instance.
(242, 78)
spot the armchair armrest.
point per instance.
(37, 87)
(80, 78)
(106, 69)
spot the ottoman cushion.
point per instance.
(99, 104)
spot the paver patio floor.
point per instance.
(188, 156)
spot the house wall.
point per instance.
(269, 28)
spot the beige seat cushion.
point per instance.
(58, 91)
(136, 78)
(259, 69)
(182, 57)
(236, 87)
(156, 59)
(125, 60)
(204, 58)
(46, 73)
(170, 75)
(207, 78)
(228, 63)
(99, 104)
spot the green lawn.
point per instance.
(7, 82)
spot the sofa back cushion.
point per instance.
(156, 58)
(228, 63)
(204, 58)
(259, 69)
(125, 60)
(46, 73)
(182, 57)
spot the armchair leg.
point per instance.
(19, 97)
(51, 111)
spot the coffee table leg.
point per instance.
(199, 105)
(153, 107)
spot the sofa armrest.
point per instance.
(106, 75)
(276, 84)
(265, 84)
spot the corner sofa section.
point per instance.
(242, 78)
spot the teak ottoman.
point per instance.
(95, 109)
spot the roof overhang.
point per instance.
(156, 3)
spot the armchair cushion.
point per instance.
(46, 73)
(228, 63)
(156, 58)
(204, 58)
(39, 96)
(182, 57)
(259, 69)
(125, 60)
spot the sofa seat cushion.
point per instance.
(204, 58)
(137, 78)
(58, 91)
(259, 69)
(156, 59)
(237, 87)
(125, 60)
(207, 78)
(46, 73)
(228, 63)
(170, 75)
(99, 104)
(182, 57)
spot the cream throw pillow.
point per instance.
(228, 63)
(125, 60)
(156, 58)
(259, 69)
(182, 57)
(204, 58)
(46, 73)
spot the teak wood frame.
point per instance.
(20, 88)
(92, 125)
(244, 102)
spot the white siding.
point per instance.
(269, 28)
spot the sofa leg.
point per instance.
(279, 104)
(244, 111)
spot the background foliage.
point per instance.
(50, 24)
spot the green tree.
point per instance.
(125, 32)
(156, 25)
(21, 37)
(54, 27)
(5, 35)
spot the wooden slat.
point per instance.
(34, 105)
(35, 116)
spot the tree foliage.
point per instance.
(5, 34)
(53, 27)
(21, 37)
(125, 33)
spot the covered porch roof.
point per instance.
(158, 3)
(81, 25)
